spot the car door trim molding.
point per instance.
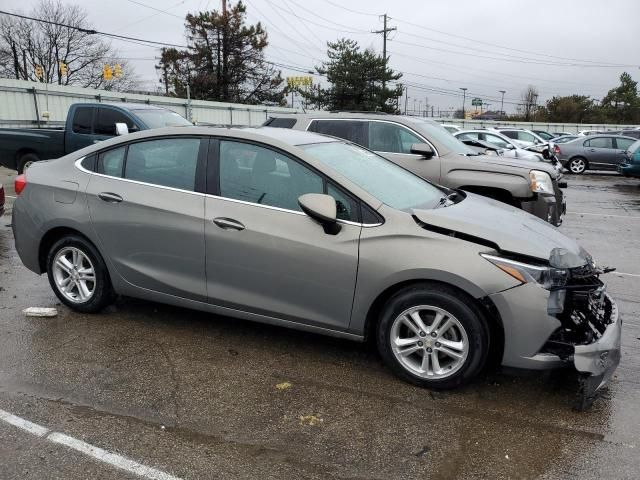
(79, 166)
(373, 120)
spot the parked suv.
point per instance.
(427, 149)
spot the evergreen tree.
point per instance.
(356, 80)
(224, 62)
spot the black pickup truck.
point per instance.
(87, 123)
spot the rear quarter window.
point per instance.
(355, 131)
(281, 122)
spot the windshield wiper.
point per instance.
(447, 198)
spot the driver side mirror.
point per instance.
(122, 129)
(322, 208)
(423, 149)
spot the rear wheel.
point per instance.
(25, 161)
(78, 275)
(577, 165)
(429, 336)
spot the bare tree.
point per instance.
(529, 101)
(24, 44)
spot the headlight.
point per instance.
(547, 277)
(540, 182)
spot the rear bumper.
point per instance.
(629, 170)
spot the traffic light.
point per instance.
(117, 70)
(107, 73)
(39, 71)
(64, 70)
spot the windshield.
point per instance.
(436, 132)
(161, 118)
(383, 179)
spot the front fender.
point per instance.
(517, 185)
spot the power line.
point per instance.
(156, 9)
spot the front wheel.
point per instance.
(78, 275)
(577, 165)
(431, 337)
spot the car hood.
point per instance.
(521, 163)
(485, 221)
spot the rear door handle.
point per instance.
(110, 197)
(228, 223)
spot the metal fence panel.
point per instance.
(22, 104)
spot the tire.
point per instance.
(25, 162)
(468, 332)
(577, 165)
(80, 258)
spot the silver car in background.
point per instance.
(310, 232)
(593, 152)
(509, 147)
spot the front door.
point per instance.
(600, 152)
(393, 141)
(265, 256)
(149, 216)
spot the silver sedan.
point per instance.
(593, 152)
(305, 231)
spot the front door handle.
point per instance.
(110, 197)
(228, 223)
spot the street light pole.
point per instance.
(502, 102)
(464, 97)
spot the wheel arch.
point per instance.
(52, 236)
(483, 306)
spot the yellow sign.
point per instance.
(107, 72)
(293, 82)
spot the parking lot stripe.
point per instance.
(85, 448)
(23, 424)
(602, 215)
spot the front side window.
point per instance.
(384, 180)
(526, 137)
(392, 138)
(169, 162)
(599, 142)
(495, 140)
(82, 119)
(260, 175)
(624, 143)
(353, 130)
(107, 119)
(111, 162)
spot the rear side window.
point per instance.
(282, 122)
(170, 162)
(599, 142)
(111, 162)
(107, 119)
(353, 130)
(510, 134)
(82, 119)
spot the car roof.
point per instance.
(123, 106)
(404, 119)
(290, 136)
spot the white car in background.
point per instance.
(451, 128)
(509, 147)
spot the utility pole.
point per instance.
(502, 102)
(406, 99)
(384, 33)
(464, 97)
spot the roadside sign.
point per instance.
(476, 102)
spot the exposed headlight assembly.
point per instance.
(540, 182)
(549, 278)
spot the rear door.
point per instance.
(600, 152)
(81, 134)
(146, 202)
(263, 254)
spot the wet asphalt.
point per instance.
(201, 396)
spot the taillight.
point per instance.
(20, 183)
(557, 150)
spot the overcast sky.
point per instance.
(560, 46)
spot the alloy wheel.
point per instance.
(429, 342)
(74, 275)
(577, 165)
